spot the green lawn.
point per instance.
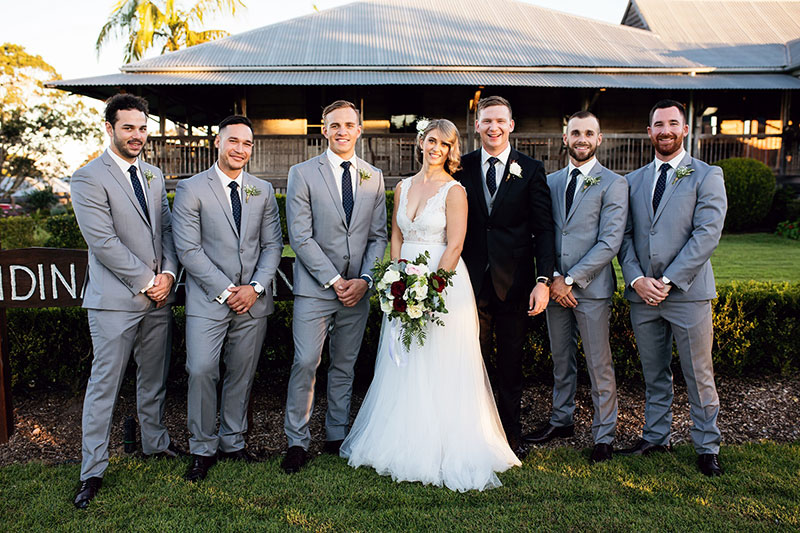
(555, 490)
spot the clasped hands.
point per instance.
(162, 284)
(241, 298)
(350, 291)
(652, 291)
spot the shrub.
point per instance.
(41, 199)
(785, 206)
(750, 186)
(17, 232)
(789, 229)
(756, 331)
(64, 232)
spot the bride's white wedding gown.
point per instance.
(433, 419)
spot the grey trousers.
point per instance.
(315, 319)
(148, 334)
(238, 340)
(590, 318)
(691, 326)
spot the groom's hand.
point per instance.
(354, 290)
(160, 289)
(562, 293)
(538, 299)
(242, 298)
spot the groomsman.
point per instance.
(122, 210)
(228, 237)
(509, 242)
(336, 212)
(590, 208)
(677, 209)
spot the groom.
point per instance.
(336, 214)
(509, 241)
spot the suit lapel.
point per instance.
(124, 182)
(646, 187)
(685, 162)
(505, 181)
(222, 198)
(246, 206)
(152, 199)
(581, 193)
(330, 182)
(360, 198)
(559, 191)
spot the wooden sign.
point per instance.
(42, 277)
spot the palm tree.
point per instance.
(146, 23)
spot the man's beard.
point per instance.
(122, 148)
(574, 154)
(672, 148)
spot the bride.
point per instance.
(433, 418)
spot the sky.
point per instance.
(64, 33)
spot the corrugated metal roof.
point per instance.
(725, 22)
(421, 32)
(498, 79)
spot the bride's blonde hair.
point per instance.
(449, 135)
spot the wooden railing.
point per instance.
(396, 155)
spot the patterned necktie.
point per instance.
(347, 191)
(137, 190)
(661, 185)
(491, 175)
(236, 205)
(573, 182)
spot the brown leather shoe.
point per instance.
(644, 447)
(296, 458)
(198, 470)
(708, 463)
(88, 490)
(601, 452)
(332, 446)
(239, 455)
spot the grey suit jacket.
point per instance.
(678, 239)
(589, 236)
(125, 250)
(211, 250)
(325, 245)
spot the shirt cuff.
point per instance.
(635, 280)
(331, 282)
(665, 280)
(224, 296)
(149, 285)
(368, 279)
(171, 273)
(556, 273)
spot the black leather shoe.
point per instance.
(332, 446)
(601, 452)
(198, 470)
(644, 448)
(172, 452)
(548, 432)
(708, 463)
(296, 458)
(519, 449)
(87, 492)
(239, 455)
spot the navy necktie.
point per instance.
(347, 191)
(661, 185)
(236, 205)
(573, 182)
(491, 175)
(137, 190)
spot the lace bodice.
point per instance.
(430, 225)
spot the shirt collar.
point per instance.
(674, 162)
(121, 163)
(503, 156)
(337, 161)
(585, 168)
(225, 179)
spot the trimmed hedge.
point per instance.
(756, 327)
(750, 186)
(18, 232)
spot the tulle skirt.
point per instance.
(433, 419)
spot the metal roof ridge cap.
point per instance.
(445, 68)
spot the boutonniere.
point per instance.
(250, 190)
(363, 175)
(148, 175)
(681, 172)
(514, 170)
(588, 181)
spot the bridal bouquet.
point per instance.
(410, 293)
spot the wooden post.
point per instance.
(6, 404)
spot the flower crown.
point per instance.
(422, 123)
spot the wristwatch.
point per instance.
(544, 279)
(258, 288)
(368, 280)
(568, 280)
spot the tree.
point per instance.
(147, 23)
(35, 122)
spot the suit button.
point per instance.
(349, 234)
(241, 250)
(346, 257)
(489, 227)
(652, 233)
(564, 233)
